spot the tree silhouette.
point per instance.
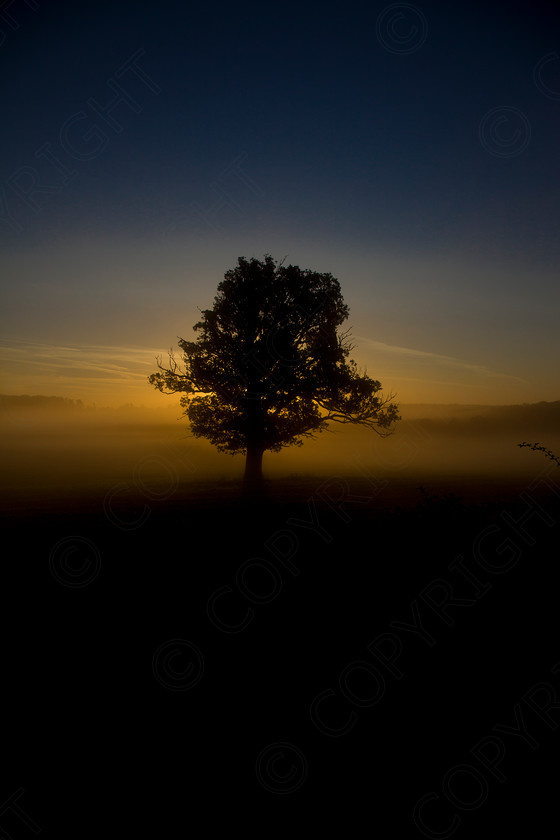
(269, 367)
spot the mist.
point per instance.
(53, 446)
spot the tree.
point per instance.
(269, 366)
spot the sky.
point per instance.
(411, 150)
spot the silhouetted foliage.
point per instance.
(269, 366)
(537, 447)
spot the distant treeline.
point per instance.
(541, 417)
(8, 401)
(526, 419)
(12, 404)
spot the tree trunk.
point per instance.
(253, 484)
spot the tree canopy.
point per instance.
(270, 366)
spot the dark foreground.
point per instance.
(337, 652)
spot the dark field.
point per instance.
(347, 644)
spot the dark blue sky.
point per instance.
(426, 133)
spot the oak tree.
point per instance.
(270, 367)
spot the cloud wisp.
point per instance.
(68, 369)
(433, 359)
